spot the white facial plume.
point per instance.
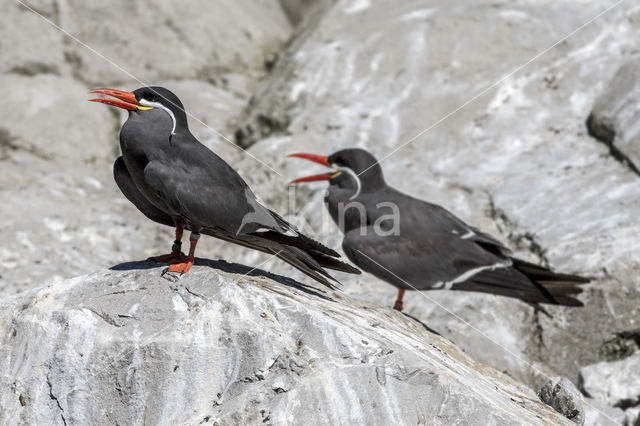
(167, 110)
(353, 176)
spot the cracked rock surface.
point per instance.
(508, 152)
(565, 398)
(616, 383)
(515, 159)
(220, 347)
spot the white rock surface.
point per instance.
(511, 155)
(221, 347)
(616, 383)
(600, 414)
(632, 416)
(615, 118)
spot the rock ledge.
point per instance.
(127, 346)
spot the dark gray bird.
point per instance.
(416, 245)
(175, 180)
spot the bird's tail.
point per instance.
(324, 256)
(309, 262)
(528, 282)
(557, 288)
(302, 261)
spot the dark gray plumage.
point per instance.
(430, 248)
(174, 180)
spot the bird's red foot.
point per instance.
(181, 267)
(173, 257)
(398, 305)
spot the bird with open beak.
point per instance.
(176, 181)
(416, 245)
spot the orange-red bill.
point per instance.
(116, 103)
(127, 100)
(314, 178)
(320, 159)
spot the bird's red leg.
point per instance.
(398, 305)
(176, 249)
(183, 267)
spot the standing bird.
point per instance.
(416, 245)
(175, 180)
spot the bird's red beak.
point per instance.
(127, 100)
(320, 159)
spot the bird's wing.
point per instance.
(132, 193)
(218, 198)
(214, 196)
(436, 250)
(440, 220)
(432, 248)
(417, 260)
(221, 203)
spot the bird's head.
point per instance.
(146, 99)
(353, 168)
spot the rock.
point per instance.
(600, 414)
(615, 116)
(616, 383)
(507, 152)
(632, 416)
(160, 41)
(565, 398)
(40, 53)
(229, 344)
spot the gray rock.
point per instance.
(511, 155)
(229, 345)
(516, 161)
(616, 114)
(159, 41)
(565, 398)
(600, 414)
(632, 416)
(616, 383)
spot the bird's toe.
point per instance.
(181, 267)
(173, 257)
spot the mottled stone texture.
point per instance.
(228, 345)
(565, 398)
(486, 120)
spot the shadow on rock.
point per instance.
(231, 268)
(426, 327)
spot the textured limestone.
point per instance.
(615, 118)
(632, 416)
(227, 345)
(565, 398)
(510, 154)
(598, 414)
(617, 383)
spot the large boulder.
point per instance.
(226, 344)
(469, 107)
(486, 103)
(615, 119)
(616, 383)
